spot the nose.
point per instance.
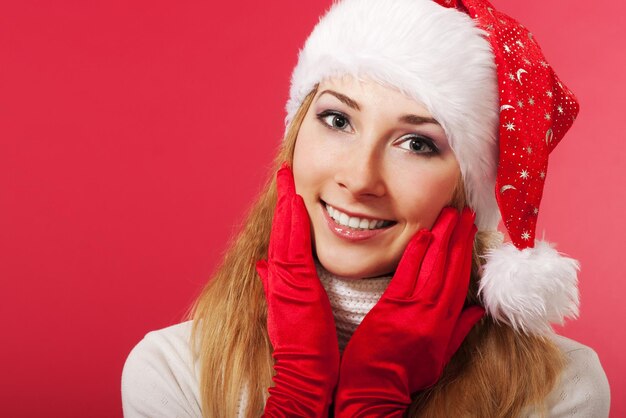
(360, 170)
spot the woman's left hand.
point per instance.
(405, 341)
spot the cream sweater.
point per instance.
(160, 377)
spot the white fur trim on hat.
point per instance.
(435, 55)
(531, 288)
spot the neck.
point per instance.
(351, 300)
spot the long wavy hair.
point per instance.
(497, 372)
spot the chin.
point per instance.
(351, 268)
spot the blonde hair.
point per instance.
(495, 373)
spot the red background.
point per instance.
(133, 136)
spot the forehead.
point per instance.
(372, 95)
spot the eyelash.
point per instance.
(326, 113)
(433, 150)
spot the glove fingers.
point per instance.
(459, 262)
(406, 275)
(261, 268)
(431, 272)
(281, 224)
(300, 237)
(468, 318)
(284, 181)
(466, 268)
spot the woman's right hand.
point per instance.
(299, 317)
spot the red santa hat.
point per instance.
(484, 78)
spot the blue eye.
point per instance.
(418, 144)
(334, 119)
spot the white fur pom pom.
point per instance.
(531, 288)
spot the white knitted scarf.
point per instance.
(351, 300)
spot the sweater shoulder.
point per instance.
(583, 389)
(160, 376)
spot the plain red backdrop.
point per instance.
(134, 135)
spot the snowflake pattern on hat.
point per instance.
(536, 110)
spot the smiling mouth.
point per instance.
(354, 222)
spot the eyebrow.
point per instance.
(343, 98)
(417, 120)
(410, 119)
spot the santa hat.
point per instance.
(483, 77)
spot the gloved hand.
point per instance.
(300, 321)
(405, 341)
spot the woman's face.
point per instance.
(373, 168)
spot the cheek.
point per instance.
(431, 192)
(300, 167)
(307, 158)
(301, 164)
(314, 158)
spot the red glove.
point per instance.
(405, 341)
(299, 317)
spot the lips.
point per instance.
(351, 227)
(355, 222)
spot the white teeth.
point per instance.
(354, 222)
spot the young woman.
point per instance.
(370, 279)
